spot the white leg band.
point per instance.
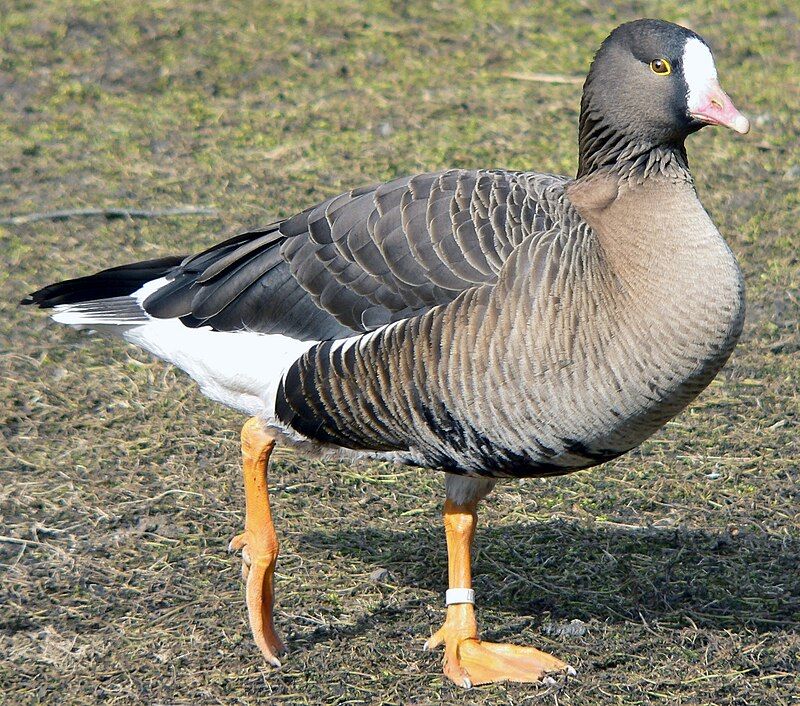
(453, 596)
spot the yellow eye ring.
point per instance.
(662, 67)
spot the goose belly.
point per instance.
(580, 419)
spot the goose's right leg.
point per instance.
(467, 659)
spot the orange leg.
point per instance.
(467, 659)
(258, 542)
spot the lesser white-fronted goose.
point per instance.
(486, 323)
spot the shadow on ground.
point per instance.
(672, 576)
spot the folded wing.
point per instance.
(363, 259)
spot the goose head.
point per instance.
(652, 83)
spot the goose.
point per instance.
(486, 323)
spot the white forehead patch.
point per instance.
(698, 70)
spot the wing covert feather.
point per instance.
(364, 258)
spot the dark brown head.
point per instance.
(651, 84)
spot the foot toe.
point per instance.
(438, 638)
(487, 662)
(270, 645)
(237, 542)
(273, 661)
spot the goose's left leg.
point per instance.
(467, 659)
(258, 542)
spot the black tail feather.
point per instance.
(115, 282)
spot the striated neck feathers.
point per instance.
(604, 147)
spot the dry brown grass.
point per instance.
(120, 483)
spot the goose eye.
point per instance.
(661, 67)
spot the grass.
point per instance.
(119, 484)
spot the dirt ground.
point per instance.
(669, 576)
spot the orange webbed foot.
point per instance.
(468, 661)
(258, 566)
